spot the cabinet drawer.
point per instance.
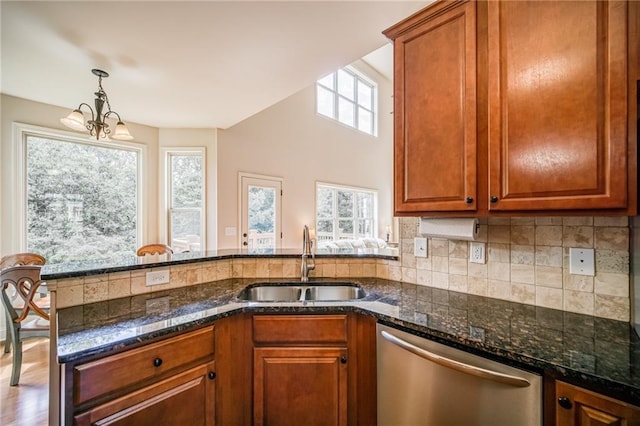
(119, 371)
(300, 329)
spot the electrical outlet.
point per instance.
(157, 277)
(477, 252)
(420, 247)
(581, 261)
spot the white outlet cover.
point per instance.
(477, 252)
(420, 247)
(581, 261)
(157, 277)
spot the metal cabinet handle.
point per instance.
(212, 375)
(157, 362)
(493, 199)
(343, 360)
(456, 365)
(468, 200)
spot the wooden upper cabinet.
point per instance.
(516, 107)
(557, 74)
(435, 109)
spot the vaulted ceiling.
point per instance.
(186, 64)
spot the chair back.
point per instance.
(21, 259)
(154, 249)
(19, 287)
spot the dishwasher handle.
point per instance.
(456, 365)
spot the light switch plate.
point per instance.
(420, 247)
(157, 277)
(581, 261)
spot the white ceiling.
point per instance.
(201, 64)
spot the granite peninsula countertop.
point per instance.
(131, 262)
(600, 354)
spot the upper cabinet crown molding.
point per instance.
(521, 107)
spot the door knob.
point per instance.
(565, 402)
(157, 362)
(493, 199)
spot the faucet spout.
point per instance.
(307, 250)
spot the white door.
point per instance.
(261, 212)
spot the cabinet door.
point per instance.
(435, 162)
(185, 399)
(300, 386)
(581, 407)
(557, 92)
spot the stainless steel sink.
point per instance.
(334, 292)
(293, 292)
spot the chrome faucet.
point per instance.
(307, 246)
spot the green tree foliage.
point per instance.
(81, 200)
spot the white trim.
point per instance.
(21, 130)
(242, 175)
(165, 191)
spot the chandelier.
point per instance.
(98, 125)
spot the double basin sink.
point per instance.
(299, 292)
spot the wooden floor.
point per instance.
(27, 403)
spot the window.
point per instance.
(345, 212)
(81, 199)
(185, 172)
(349, 97)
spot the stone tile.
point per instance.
(549, 276)
(609, 238)
(139, 285)
(499, 289)
(547, 235)
(499, 271)
(342, 270)
(523, 235)
(69, 296)
(440, 264)
(577, 236)
(583, 283)
(611, 221)
(408, 260)
(578, 301)
(499, 234)
(524, 274)
(523, 221)
(498, 252)
(548, 220)
(458, 249)
(523, 293)
(329, 270)
(577, 221)
(499, 221)
(409, 275)
(612, 307)
(523, 255)
(549, 256)
(611, 284)
(478, 286)
(423, 277)
(440, 280)
(119, 288)
(477, 270)
(549, 297)
(423, 263)
(458, 283)
(224, 269)
(96, 292)
(458, 266)
(438, 247)
(612, 261)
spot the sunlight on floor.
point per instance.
(27, 403)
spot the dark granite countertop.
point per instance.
(128, 263)
(597, 353)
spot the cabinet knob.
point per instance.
(343, 360)
(157, 362)
(565, 402)
(493, 199)
(212, 375)
(468, 200)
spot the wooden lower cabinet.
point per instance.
(185, 399)
(577, 406)
(294, 386)
(171, 381)
(314, 370)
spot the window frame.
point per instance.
(354, 218)
(166, 178)
(22, 131)
(335, 91)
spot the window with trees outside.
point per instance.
(185, 171)
(350, 98)
(345, 212)
(82, 197)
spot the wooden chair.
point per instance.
(154, 249)
(16, 260)
(19, 287)
(21, 259)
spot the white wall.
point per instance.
(289, 140)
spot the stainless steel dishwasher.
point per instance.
(422, 382)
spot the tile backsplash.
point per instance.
(527, 261)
